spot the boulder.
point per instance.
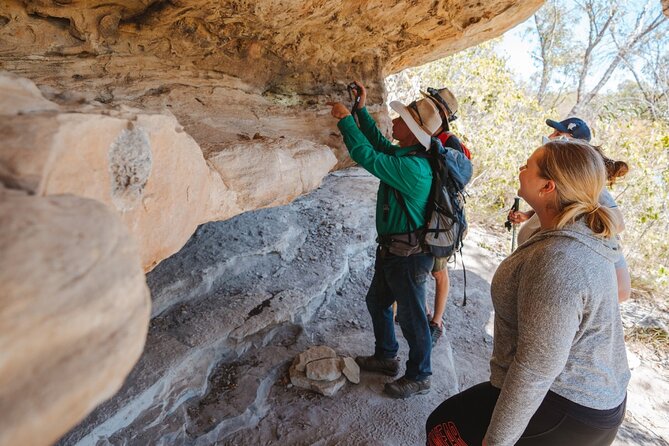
(326, 388)
(145, 167)
(313, 354)
(74, 312)
(320, 369)
(351, 370)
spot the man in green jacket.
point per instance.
(402, 267)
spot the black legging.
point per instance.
(463, 419)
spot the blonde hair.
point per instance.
(579, 174)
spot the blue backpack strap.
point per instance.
(453, 142)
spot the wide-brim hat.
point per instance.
(422, 117)
(447, 97)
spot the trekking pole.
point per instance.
(509, 226)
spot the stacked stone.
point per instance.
(321, 370)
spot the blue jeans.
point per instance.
(402, 280)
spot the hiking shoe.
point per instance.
(435, 331)
(405, 387)
(387, 366)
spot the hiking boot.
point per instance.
(405, 387)
(387, 366)
(435, 331)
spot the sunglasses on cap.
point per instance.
(414, 107)
(546, 139)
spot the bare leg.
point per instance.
(440, 295)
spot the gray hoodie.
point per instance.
(557, 327)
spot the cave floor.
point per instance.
(293, 277)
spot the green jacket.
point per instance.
(410, 175)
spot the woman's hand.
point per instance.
(339, 110)
(363, 94)
(517, 217)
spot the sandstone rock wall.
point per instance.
(230, 69)
(145, 167)
(74, 304)
(74, 312)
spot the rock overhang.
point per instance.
(272, 58)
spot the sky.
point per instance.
(517, 48)
(518, 44)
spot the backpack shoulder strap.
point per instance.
(400, 199)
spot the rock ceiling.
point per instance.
(231, 68)
(278, 44)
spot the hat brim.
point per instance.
(423, 137)
(557, 126)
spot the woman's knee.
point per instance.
(465, 415)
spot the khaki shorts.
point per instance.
(439, 264)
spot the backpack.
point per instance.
(444, 137)
(446, 223)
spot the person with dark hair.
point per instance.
(446, 101)
(578, 129)
(559, 372)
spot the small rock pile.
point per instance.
(321, 370)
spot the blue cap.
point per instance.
(575, 127)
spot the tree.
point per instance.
(617, 34)
(650, 69)
(626, 30)
(556, 53)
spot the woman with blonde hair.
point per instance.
(559, 372)
(578, 129)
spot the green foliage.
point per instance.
(502, 124)
(643, 194)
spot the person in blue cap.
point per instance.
(576, 128)
(571, 127)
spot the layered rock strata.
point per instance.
(145, 167)
(230, 69)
